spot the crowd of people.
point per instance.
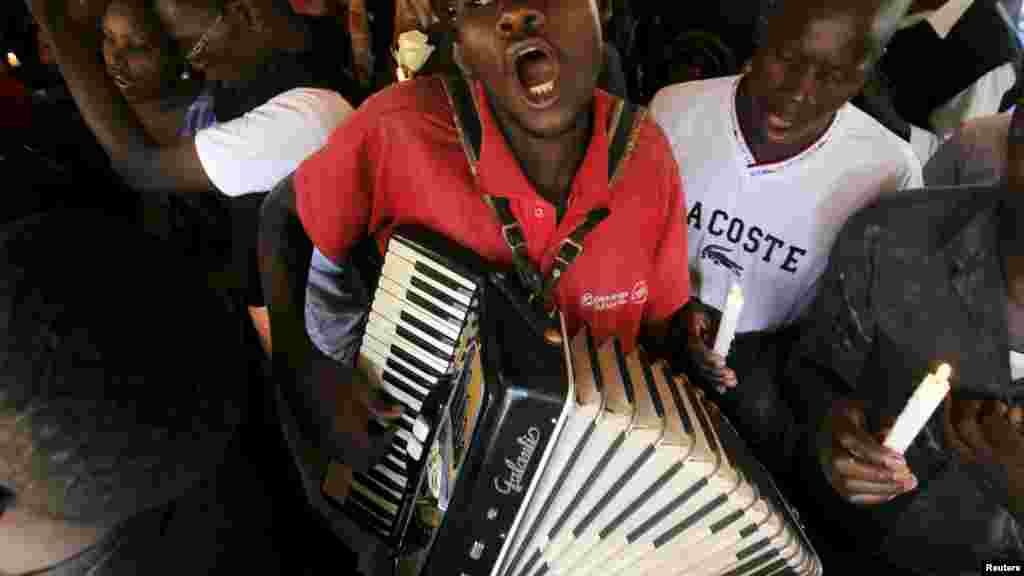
(192, 186)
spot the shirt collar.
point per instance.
(499, 171)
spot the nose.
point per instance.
(520, 19)
(801, 85)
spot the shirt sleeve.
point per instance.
(670, 276)
(255, 152)
(334, 188)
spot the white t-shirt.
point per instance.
(770, 227)
(256, 151)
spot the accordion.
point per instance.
(516, 457)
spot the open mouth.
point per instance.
(537, 71)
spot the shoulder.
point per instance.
(685, 96)
(860, 131)
(422, 101)
(424, 97)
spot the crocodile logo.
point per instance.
(717, 255)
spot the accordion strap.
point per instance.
(621, 126)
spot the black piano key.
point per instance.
(426, 304)
(379, 489)
(612, 492)
(426, 328)
(627, 380)
(421, 343)
(405, 425)
(528, 568)
(677, 398)
(666, 510)
(752, 564)
(690, 520)
(726, 522)
(753, 549)
(774, 569)
(652, 389)
(366, 518)
(397, 383)
(438, 295)
(385, 481)
(640, 501)
(588, 484)
(412, 360)
(384, 518)
(390, 465)
(429, 271)
(409, 373)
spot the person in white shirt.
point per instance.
(248, 154)
(774, 161)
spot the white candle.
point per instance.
(730, 318)
(925, 400)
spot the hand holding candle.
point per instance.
(925, 400)
(727, 325)
(730, 320)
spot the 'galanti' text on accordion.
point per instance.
(517, 468)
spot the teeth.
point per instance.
(543, 89)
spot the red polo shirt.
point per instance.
(399, 160)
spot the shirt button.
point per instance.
(538, 212)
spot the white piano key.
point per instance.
(449, 313)
(403, 271)
(400, 249)
(420, 429)
(441, 349)
(387, 305)
(377, 364)
(389, 337)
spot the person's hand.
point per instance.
(711, 366)
(362, 418)
(859, 468)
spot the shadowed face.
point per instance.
(539, 59)
(806, 70)
(138, 55)
(214, 39)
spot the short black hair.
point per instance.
(886, 16)
(120, 370)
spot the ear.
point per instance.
(251, 13)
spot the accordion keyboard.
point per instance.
(419, 338)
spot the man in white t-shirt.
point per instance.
(774, 162)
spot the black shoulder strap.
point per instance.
(622, 124)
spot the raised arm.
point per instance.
(142, 164)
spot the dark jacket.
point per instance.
(913, 281)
